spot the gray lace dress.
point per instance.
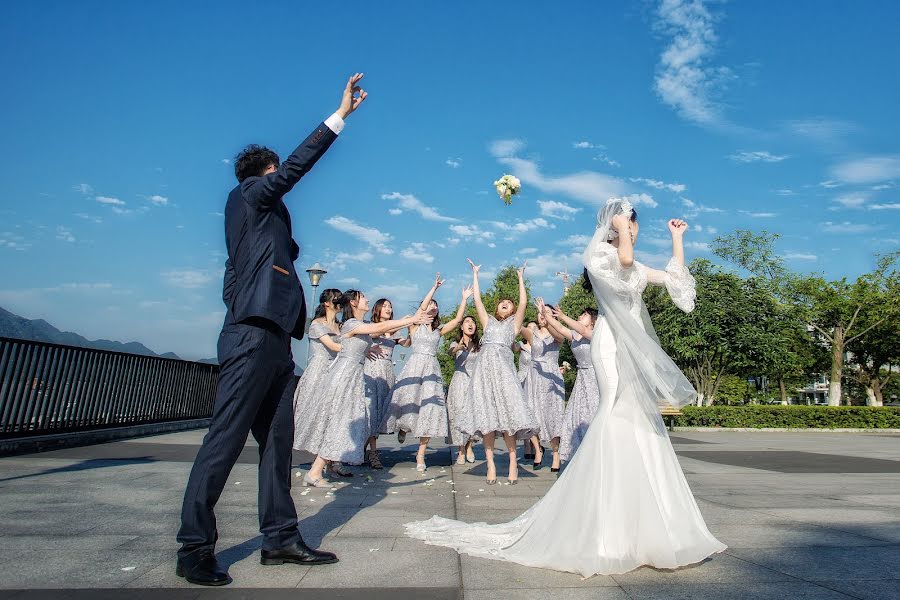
(308, 407)
(418, 406)
(583, 402)
(459, 400)
(498, 402)
(545, 392)
(524, 364)
(347, 414)
(379, 378)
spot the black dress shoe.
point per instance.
(202, 568)
(298, 554)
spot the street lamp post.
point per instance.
(315, 276)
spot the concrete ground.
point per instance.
(805, 515)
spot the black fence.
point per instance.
(51, 388)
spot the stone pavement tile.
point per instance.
(138, 525)
(866, 590)
(826, 563)
(792, 590)
(364, 525)
(487, 515)
(341, 545)
(484, 574)
(549, 593)
(714, 512)
(878, 524)
(62, 543)
(107, 568)
(387, 569)
(27, 522)
(785, 535)
(107, 594)
(772, 500)
(720, 568)
(478, 501)
(892, 500)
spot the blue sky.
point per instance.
(119, 118)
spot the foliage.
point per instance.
(806, 417)
(733, 390)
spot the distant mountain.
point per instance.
(14, 326)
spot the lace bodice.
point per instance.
(581, 349)
(544, 350)
(426, 340)
(463, 360)
(353, 347)
(386, 344)
(500, 332)
(317, 349)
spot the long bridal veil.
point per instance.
(623, 501)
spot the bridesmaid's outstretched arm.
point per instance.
(476, 291)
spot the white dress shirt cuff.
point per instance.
(335, 123)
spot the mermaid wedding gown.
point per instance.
(623, 501)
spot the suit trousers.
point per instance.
(254, 395)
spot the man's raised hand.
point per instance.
(353, 96)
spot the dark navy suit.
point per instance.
(265, 308)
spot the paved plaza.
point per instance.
(805, 515)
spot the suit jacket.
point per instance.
(260, 280)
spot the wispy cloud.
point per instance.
(641, 200)
(64, 234)
(575, 241)
(846, 227)
(110, 201)
(854, 200)
(527, 251)
(678, 188)
(830, 184)
(378, 240)
(523, 226)
(757, 156)
(411, 203)
(557, 210)
(698, 246)
(187, 278)
(83, 188)
(453, 163)
(159, 200)
(604, 158)
(785, 192)
(891, 206)
(504, 148)
(871, 169)
(695, 208)
(417, 251)
(685, 80)
(758, 215)
(588, 145)
(226, 161)
(88, 217)
(820, 130)
(800, 256)
(472, 232)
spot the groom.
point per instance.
(265, 309)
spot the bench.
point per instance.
(668, 414)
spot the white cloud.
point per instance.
(159, 200)
(557, 210)
(523, 226)
(577, 241)
(872, 169)
(678, 188)
(604, 158)
(549, 264)
(800, 256)
(410, 202)
(471, 232)
(758, 156)
(846, 227)
(527, 251)
(684, 79)
(187, 278)
(785, 192)
(453, 163)
(375, 238)
(893, 206)
(852, 200)
(404, 296)
(348, 280)
(83, 188)
(418, 252)
(830, 184)
(64, 234)
(695, 209)
(641, 200)
(88, 217)
(226, 161)
(820, 130)
(395, 211)
(363, 256)
(110, 201)
(588, 186)
(504, 148)
(883, 186)
(588, 145)
(698, 246)
(758, 215)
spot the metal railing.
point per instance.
(51, 388)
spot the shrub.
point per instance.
(800, 417)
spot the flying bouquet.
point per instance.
(507, 187)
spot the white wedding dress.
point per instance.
(623, 501)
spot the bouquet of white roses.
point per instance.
(507, 187)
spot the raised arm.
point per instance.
(622, 224)
(453, 323)
(555, 326)
(329, 343)
(476, 293)
(677, 227)
(438, 282)
(523, 299)
(543, 309)
(420, 318)
(263, 192)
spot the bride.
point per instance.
(623, 501)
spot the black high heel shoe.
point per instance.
(537, 463)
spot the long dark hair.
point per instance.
(436, 321)
(343, 303)
(475, 343)
(327, 295)
(592, 312)
(586, 280)
(376, 309)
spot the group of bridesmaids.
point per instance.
(348, 394)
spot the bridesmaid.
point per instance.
(323, 347)
(523, 348)
(346, 408)
(546, 391)
(379, 379)
(459, 401)
(585, 396)
(418, 405)
(497, 399)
